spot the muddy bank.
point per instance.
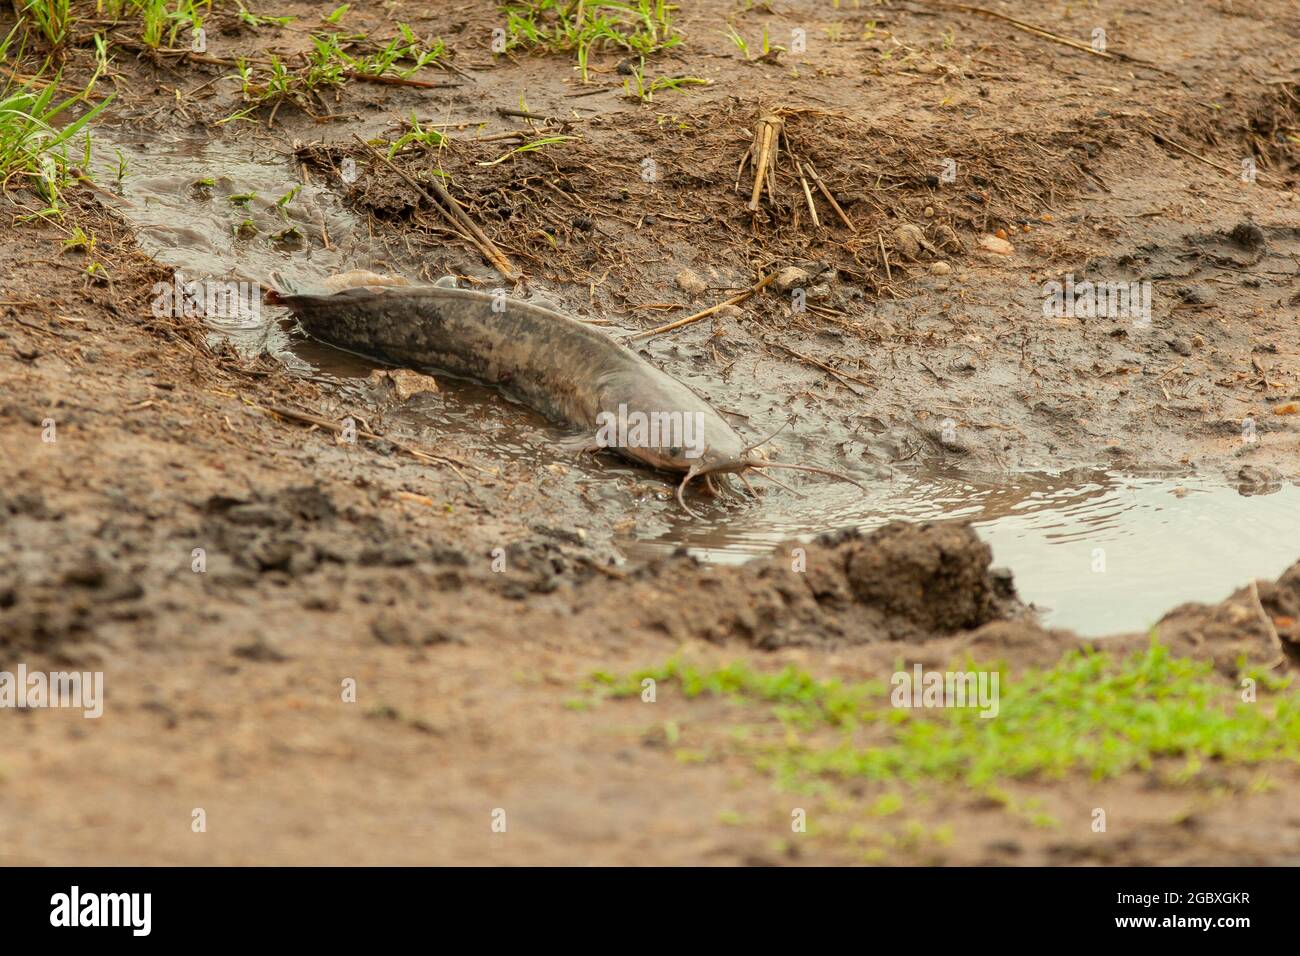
(65, 589)
(901, 582)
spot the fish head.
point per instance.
(670, 458)
(705, 445)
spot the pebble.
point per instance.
(997, 246)
(791, 277)
(404, 382)
(908, 240)
(690, 283)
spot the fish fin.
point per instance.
(580, 444)
(281, 286)
(362, 279)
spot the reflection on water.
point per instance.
(1099, 552)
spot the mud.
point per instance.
(470, 592)
(901, 582)
(1251, 619)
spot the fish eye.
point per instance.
(675, 451)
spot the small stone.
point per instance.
(940, 268)
(999, 247)
(909, 240)
(947, 238)
(1247, 235)
(791, 277)
(1258, 475)
(878, 328)
(260, 650)
(690, 283)
(405, 383)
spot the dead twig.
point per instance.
(821, 186)
(1026, 27)
(614, 573)
(690, 319)
(385, 79)
(1164, 140)
(36, 81)
(452, 211)
(538, 117)
(763, 152)
(1268, 624)
(842, 377)
(294, 414)
(1054, 37)
(807, 193)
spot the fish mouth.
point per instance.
(663, 459)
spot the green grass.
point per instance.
(249, 18)
(531, 146)
(329, 66)
(742, 44)
(278, 84)
(52, 18)
(162, 22)
(638, 27)
(636, 87)
(1090, 714)
(35, 136)
(406, 49)
(418, 136)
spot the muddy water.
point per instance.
(222, 211)
(1097, 552)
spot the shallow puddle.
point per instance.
(230, 211)
(1098, 552)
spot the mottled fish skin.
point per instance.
(568, 371)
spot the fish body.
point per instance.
(572, 373)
